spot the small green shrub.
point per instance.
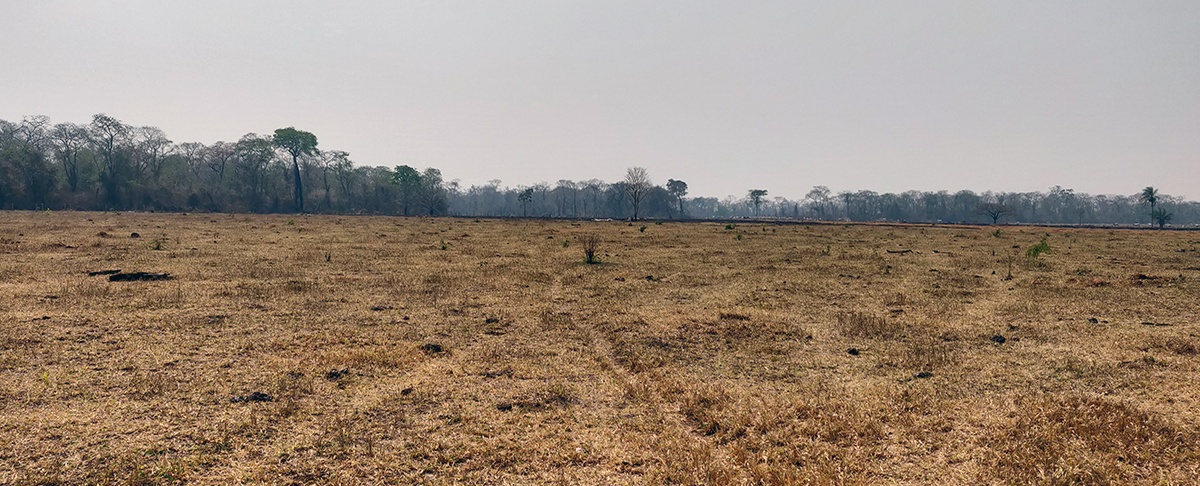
(729, 227)
(1038, 249)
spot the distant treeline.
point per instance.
(109, 165)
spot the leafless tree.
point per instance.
(819, 198)
(329, 161)
(591, 244)
(994, 210)
(152, 147)
(35, 130)
(637, 184)
(68, 139)
(593, 189)
(218, 156)
(568, 197)
(192, 154)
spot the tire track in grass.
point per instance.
(644, 390)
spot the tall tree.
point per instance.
(152, 146)
(433, 192)
(296, 143)
(218, 156)
(819, 195)
(568, 197)
(192, 155)
(540, 190)
(637, 184)
(34, 130)
(593, 190)
(68, 140)
(525, 197)
(343, 170)
(254, 155)
(677, 189)
(1149, 195)
(107, 135)
(409, 182)
(328, 161)
(25, 174)
(756, 198)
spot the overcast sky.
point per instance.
(1099, 96)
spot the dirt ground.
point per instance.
(360, 350)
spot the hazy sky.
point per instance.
(1099, 96)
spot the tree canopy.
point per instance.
(297, 143)
(107, 164)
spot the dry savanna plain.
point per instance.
(384, 350)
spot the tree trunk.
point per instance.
(299, 184)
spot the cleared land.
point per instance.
(373, 349)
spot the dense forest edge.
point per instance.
(107, 164)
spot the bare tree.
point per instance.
(192, 154)
(343, 170)
(34, 130)
(819, 199)
(568, 196)
(593, 189)
(994, 210)
(68, 139)
(218, 155)
(152, 147)
(327, 161)
(637, 185)
(541, 189)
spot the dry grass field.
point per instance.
(377, 350)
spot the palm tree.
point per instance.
(1149, 195)
(1161, 217)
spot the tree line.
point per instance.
(106, 164)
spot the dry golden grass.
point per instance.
(455, 350)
